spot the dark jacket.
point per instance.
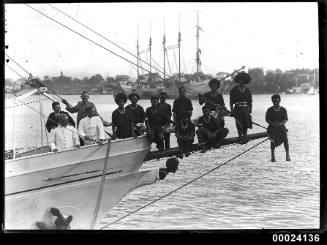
(53, 120)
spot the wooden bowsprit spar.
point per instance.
(196, 147)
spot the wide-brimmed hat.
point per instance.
(242, 76)
(214, 81)
(133, 94)
(120, 96)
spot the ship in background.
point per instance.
(154, 82)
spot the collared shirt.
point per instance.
(63, 138)
(91, 127)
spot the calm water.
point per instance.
(250, 192)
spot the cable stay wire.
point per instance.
(105, 38)
(81, 35)
(192, 92)
(182, 186)
(17, 64)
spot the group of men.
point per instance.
(132, 120)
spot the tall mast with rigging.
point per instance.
(150, 44)
(179, 52)
(164, 51)
(138, 59)
(198, 61)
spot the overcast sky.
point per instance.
(266, 35)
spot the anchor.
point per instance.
(61, 223)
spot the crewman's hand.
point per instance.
(55, 150)
(106, 124)
(78, 146)
(64, 101)
(200, 95)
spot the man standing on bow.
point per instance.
(53, 118)
(137, 113)
(63, 137)
(214, 100)
(80, 108)
(167, 109)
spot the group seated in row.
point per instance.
(155, 121)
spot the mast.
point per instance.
(198, 62)
(179, 52)
(150, 44)
(164, 49)
(14, 129)
(138, 58)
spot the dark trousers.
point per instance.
(167, 140)
(204, 139)
(184, 145)
(157, 137)
(81, 141)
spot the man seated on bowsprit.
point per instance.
(185, 132)
(211, 131)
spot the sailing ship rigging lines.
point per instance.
(192, 92)
(81, 35)
(105, 38)
(188, 183)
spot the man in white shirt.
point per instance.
(91, 127)
(63, 137)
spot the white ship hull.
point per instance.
(78, 199)
(50, 169)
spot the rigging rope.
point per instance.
(79, 34)
(90, 29)
(187, 89)
(182, 186)
(103, 179)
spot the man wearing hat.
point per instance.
(214, 100)
(155, 120)
(241, 105)
(167, 109)
(122, 124)
(137, 113)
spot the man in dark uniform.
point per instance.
(137, 113)
(181, 105)
(241, 105)
(53, 118)
(155, 119)
(167, 109)
(211, 132)
(122, 122)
